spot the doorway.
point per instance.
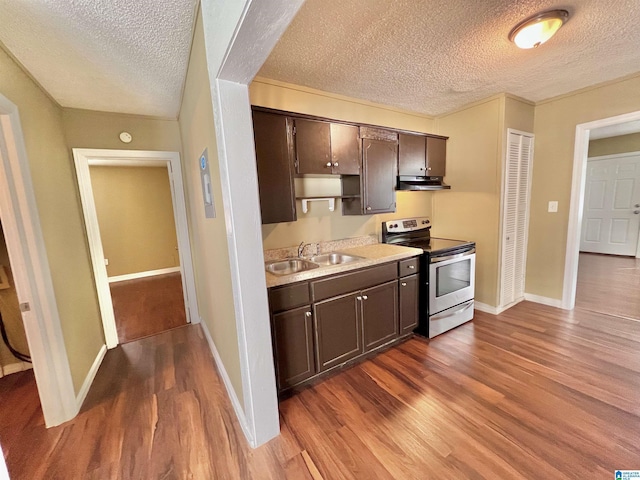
(602, 271)
(142, 258)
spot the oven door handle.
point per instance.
(451, 257)
(447, 313)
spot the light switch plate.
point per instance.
(553, 206)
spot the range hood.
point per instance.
(421, 183)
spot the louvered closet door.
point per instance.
(515, 219)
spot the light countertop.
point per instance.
(375, 254)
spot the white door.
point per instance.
(515, 217)
(611, 213)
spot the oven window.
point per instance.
(453, 277)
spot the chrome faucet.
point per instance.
(301, 248)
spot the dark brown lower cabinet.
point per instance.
(293, 332)
(324, 323)
(380, 314)
(338, 330)
(408, 304)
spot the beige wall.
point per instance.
(135, 215)
(208, 236)
(87, 129)
(555, 127)
(11, 316)
(475, 157)
(60, 213)
(470, 210)
(613, 145)
(320, 224)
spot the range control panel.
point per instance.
(407, 224)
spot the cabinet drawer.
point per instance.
(350, 282)
(410, 266)
(288, 297)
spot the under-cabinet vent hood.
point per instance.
(421, 183)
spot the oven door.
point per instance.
(452, 280)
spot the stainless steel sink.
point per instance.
(289, 266)
(335, 258)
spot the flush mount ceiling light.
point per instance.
(536, 30)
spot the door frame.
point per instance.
(83, 158)
(578, 182)
(31, 273)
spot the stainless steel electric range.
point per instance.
(447, 274)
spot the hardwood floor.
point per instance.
(534, 393)
(609, 284)
(148, 306)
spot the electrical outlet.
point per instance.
(553, 206)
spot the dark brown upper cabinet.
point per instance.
(379, 159)
(421, 156)
(345, 149)
(436, 156)
(373, 191)
(326, 148)
(273, 135)
(313, 147)
(412, 155)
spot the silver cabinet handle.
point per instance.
(368, 208)
(328, 164)
(404, 284)
(411, 267)
(335, 164)
(358, 298)
(364, 297)
(308, 314)
(429, 168)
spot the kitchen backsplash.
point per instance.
(315, 248)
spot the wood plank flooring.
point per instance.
(148, 306)
(609, 284)
(533, 393)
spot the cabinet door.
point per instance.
(338, 330)
(345, 149)
(412, 152)
(436, 156)
(380, 160)
(273, 136)
(409, 295)
(380, 314)
(293, 339)
(313, 147)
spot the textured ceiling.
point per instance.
(433, 56)
(127, 56)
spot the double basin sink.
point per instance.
(295, 265)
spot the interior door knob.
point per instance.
(308, 314)
(404, 284)
(368, 208)
(328, 164)
(364, 297)
(335, 164)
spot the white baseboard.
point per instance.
(483, 307)
(237, 407)
(552, 302)
(148, 273)
(15, 368)
(82, 394)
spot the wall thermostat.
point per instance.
(125, 137)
